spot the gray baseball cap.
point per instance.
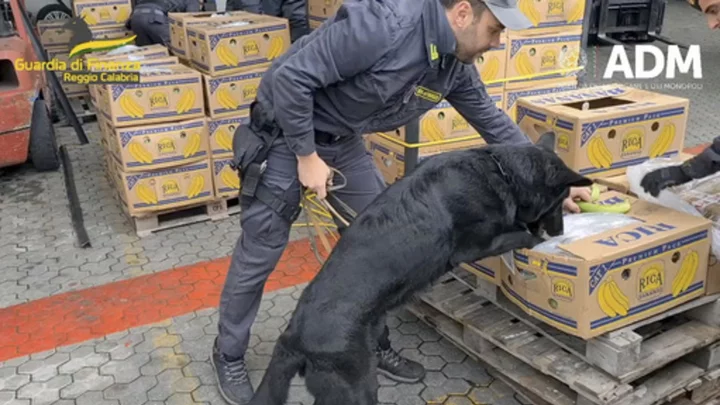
(509, 15)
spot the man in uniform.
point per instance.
(707, 162)
(294, 10)
(149, 19)
(373, 67)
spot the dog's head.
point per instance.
(542, 181)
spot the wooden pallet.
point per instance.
(83, 107)
(163, 220)
(480, 326)
(628, 353)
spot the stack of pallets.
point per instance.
(672, 358)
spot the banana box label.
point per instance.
(234, 47)
(110, 32)
(222, 131)
(604, 131)
(52, 34)
(542, 54)
(164, 94)
(515, 91)
(160, 190)
(159, 146)
(606, 281)
(106, 13)
(227, 181)
(553, 13)
(180, 21)
(230, 95)
(491, 65)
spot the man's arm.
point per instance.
(357, 38)
(472, 101)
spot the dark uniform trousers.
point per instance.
(265, 234)
(294, 10)
(150, 24)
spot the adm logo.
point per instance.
(82, 41)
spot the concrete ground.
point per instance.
(131, 321)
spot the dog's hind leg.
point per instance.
(342, 383)
(275, 385)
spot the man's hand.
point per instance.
(314, 174)
(662, 178)
(582, 193)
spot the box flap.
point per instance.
(658, 224)
(583, 94)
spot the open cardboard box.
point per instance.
(643, 262)
(602, 130)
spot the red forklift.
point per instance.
(26, 127)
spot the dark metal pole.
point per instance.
(76, 213)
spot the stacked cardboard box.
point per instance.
(106, 19)
(154, 133)
(232, 52)
(179, 44)
(55, 38)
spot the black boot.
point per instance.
(398, 368)
(232, 377)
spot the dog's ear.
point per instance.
(569, 178)
(547, 141)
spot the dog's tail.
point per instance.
(275, 385)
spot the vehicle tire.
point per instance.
(43, 145)
(53, 12)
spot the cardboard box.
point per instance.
(222, 131)
(160, 190)
(492, 65)
(108, 13)
(389, 157)
(635, 267)
(62, 54)
(622, 126)
(171, 93)
(541, 51)
(151, 60)
(111, 32)
(52, 33)
(180, 21)
(232, 94)
(321, 10)
(225, 179)
(515, 91)
(158, 146)
(553, 13)
(130, 53)
(488, 269)
(227, 48)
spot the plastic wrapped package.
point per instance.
(576, 227)
(699, 197)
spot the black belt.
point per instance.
(327, 139)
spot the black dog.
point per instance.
(455, 207)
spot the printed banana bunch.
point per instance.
(431, 129)
(224, 139)
(226, 99)
(528, 8)
(226, 55)
(687, 273)
(523, 64)
(131, 107)
(88, 17)
(146, 194)
(577, 12)
(662, 144)
(230, 179)
(612, 301)
(139, 153)
(186, 102)
(619, 208)
(491, 67)
(196, 186)
(599, 154)
(122, 15)
(276, 48)
(193, 146)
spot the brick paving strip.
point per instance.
(78, 316)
